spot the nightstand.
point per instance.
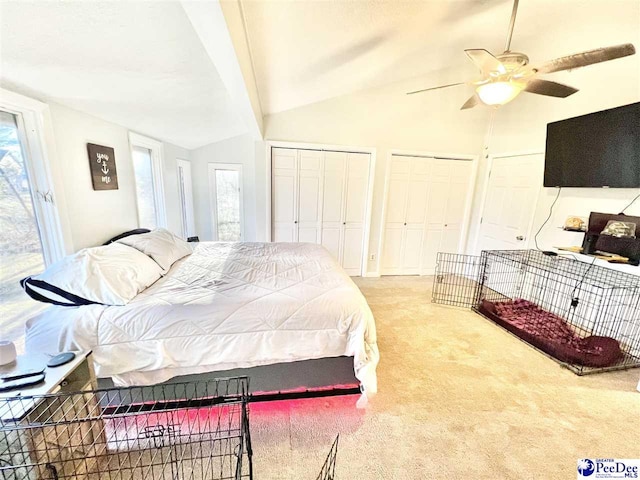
(54, 431)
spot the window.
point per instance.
(225, 183)
(146, 156)
(21, 251)
(31, 234)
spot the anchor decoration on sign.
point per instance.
(103, 167)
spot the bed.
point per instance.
(225, 306)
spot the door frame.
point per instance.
(485, 191)
(270, 145)
(35, 130)
(157, 161)
(466, 221)
(180, 163)
(211, 168)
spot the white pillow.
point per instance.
(161, 245)
(110, 275)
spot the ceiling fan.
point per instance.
(504, 76)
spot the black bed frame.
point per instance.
(323, 377)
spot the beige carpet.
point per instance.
(459, 398)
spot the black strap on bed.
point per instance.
(74, 300)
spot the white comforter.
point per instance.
(227, 305)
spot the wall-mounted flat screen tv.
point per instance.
(601, 149)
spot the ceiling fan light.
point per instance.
(498, 93)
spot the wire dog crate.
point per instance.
(328, 471)
(181, 431)
(584, 316)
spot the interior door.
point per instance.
(334, 189)
(460, 173)
(309, 196)
(284, 201)
(397, 195)
(447, 196)
(417, 188)
(512, 191)
(355, 207)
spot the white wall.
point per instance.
(385, 119)
(96, 216)
(521, 125)
(239, 150)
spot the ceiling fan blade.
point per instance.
(486, 62)
(587, 58)
(436, 88)
(548, 88)
(472, 102)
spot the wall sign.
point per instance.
(102, 162)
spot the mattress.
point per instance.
(225, 306)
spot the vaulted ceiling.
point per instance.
(138, 64)
(307, 51)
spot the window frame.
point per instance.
(213, 166)
(35, 131)
(157, 161)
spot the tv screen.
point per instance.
(601, 149)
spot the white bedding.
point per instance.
(227, 305)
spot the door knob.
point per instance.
(295, 221)
(344, 223)
(405, 223)
(520, 238)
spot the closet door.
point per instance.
(415, 215)
(446, 201)
(406, 210)
(333, 198)
(460, 173)
(437, 195)
(284, 195)
(397, 195)
(310, 195)
(355, 207)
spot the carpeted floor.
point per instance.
(458, 398)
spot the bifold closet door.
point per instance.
(296, 190)
(284, 194)
(344, 205)
(309, 208)
(426, 199)
(448, 192)
(355, 207)
(321, 197)
(333, 198)
(406, 207)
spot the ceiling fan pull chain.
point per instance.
(512, 24)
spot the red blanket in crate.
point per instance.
(551, 333)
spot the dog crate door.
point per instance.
(457, 280)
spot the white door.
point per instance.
(406, 210)
(284, 195)
(449, 190)
(512, 192)
(185, 192)
(225, 188)
(397, 195)
(333, 198)
(309, 214)
(426, 206)
(355, 207)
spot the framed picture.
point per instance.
(102, 162)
